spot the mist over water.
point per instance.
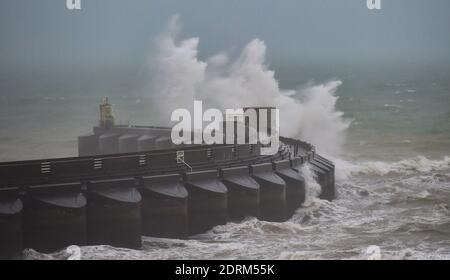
(388, 134)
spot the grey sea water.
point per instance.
(393, 172)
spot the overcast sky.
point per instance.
(112, 34)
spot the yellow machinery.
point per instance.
(106, 114)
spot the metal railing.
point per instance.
(32, 172)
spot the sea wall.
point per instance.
(115, 199)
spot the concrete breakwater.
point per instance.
(164, 191)
(114, 199)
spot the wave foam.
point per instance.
(235, 81)
(344, 169)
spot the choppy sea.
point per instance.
(393, 187)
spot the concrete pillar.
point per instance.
(114, 213)
(295, 185)
(243, 192)
(329, 165)
(207, 201)
(164, 206)
(55, 217)
(272, 193)
(325, 175)
(320, 175)
(11, 233)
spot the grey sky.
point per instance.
(116, 34)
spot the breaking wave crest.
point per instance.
(421, 164)
(227, 80)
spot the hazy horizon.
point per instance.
(105, 46)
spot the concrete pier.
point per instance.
(55, 217)
(11, 234)
(272, 193)
(114, 213)
(207, 203)
(150, 188)
(164, 206)
(243, 192)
